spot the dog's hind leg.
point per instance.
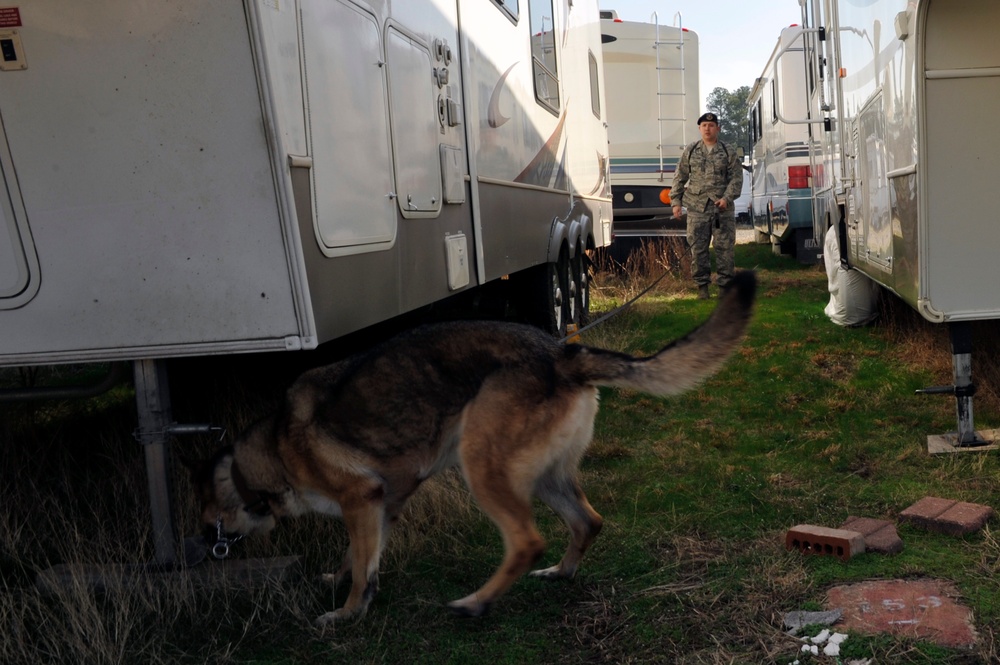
(523, 546)
(364, 515)
(560, 489)
(563, 494)
(509, 506)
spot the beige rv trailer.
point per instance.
(905, 161)
(192, 178)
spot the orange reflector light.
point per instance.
(665, 196)
(843, 72)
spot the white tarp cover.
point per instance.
(853, 296)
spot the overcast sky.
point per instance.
(735, 37)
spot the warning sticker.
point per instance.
(10, 17)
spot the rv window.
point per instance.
(509, 7)
(543, 53)
(774, 98)
(595, 96)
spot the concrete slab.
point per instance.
(109, 577)
(941, 444)
(919, 609)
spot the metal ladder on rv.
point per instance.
(665, 91)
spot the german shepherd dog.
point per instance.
(510, 406)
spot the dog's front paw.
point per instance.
(330, 618)
(469, 607)
(553, 573)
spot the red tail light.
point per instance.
(798, 177)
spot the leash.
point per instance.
(615, 311)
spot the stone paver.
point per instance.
(954, 518)
(880, 535)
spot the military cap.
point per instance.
(708, 117)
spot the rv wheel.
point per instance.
(570, 289)
(580, 269)
(540, 294)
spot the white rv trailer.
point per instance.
(904, 169)
(781, 175)
(651, 79)
(191, 177)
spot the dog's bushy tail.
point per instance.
(684, 363)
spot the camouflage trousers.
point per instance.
(701, 232)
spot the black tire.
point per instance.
(571, 302)
(580, 269)
(541, 294)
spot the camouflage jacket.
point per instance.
(704, 176)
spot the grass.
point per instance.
(809, 423)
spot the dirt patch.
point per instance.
(918, 609)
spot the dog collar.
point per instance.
(253, 501)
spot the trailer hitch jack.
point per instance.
(963, 389)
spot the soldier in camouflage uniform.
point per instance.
(708, 179)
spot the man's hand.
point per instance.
(677, 212)
(721, 204)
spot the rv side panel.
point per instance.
(384, 135)
(145, 182)
(961, 72)
(539, 146)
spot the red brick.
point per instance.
(947, 516)
(821, 540)
(880, 535)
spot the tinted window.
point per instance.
(595, 88)
(543, 52)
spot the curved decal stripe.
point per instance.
(493, 114)
(540, 169)
(602, 168)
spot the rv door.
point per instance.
(875, 228)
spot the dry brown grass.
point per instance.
(924, 344)
(623, 280)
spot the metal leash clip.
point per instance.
(220, 550)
